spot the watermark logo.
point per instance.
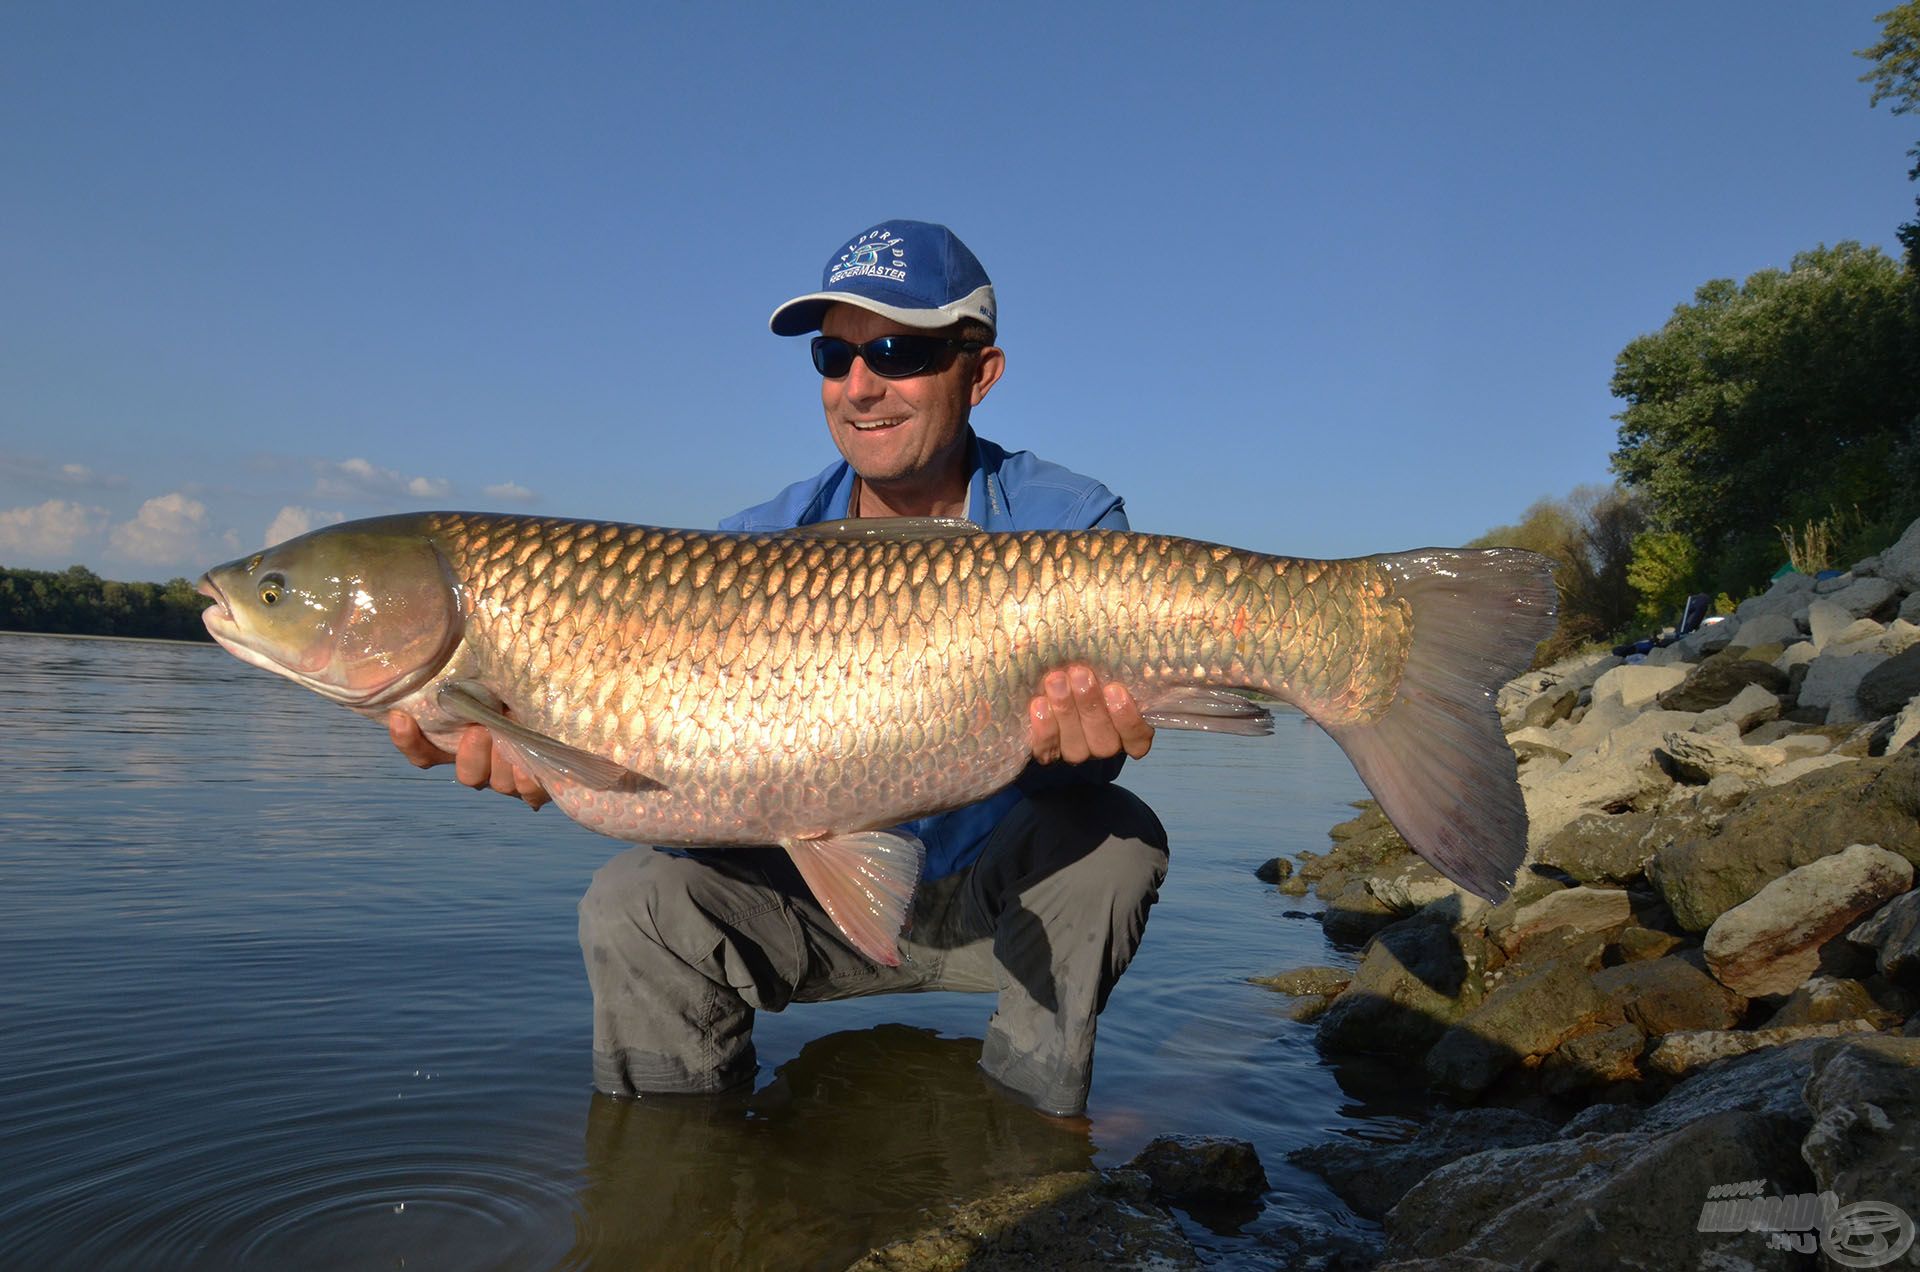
(1866, 1234)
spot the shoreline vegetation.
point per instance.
(78, 602)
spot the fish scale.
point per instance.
(682, 687)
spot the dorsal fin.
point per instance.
(889, 529)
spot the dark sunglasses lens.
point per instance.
(897, 356)
(832, 356)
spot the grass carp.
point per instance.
(813, 688)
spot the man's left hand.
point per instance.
(1076, 718)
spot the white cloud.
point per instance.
(36, 471)
(291, 522)
(511, 492)
(52, 530)
(367, 482)
(169, 529)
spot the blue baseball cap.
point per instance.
(914, 272)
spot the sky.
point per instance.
(1313, 279)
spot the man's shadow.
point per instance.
(865, 1137)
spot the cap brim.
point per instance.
(805, 313)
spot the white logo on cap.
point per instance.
(875, 254)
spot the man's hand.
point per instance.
(480, 762)
(1075, 718)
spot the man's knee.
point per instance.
(629, 893)
(1108, 819)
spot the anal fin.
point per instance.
(1207, 711)
(865, 882)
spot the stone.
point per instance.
(1636, 944)
(1550, 708)
(1414, 885)
(1701, 757)
(1833, 681)
(1718, 680)
(1864, 597)
(1827, 999)
(1076, 1221)
(1860, 634)
(1521, 1019)
(1683, 1052)
(1864, 1144)
(1668, 995)
(1910, 608)
(1415, 979)
(1750, 708)
(1887, 688)
(1583, 909)
(1637, 684)
(1274, 870)
(1353, 913)
(1709, 868)
(1793, 770)
(1770, 943)
(1900, 564)
(1616, 773)
(1802, 746)
(1825, 620)
(1202, 1169)
(1602, 847)
(1307, 980)
(1893, 934)
(1597, 1059)
(1370, 1176)
(1775, 628)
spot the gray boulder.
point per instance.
(1864, 1144)
(1900, 564)
(1893, 934)
(1833, 682)
(1681, 1053)
(1521, 1019)
(1864, 597)
(1718, 680)
(1887, 688)
(1698, 758)
(1415, 979)
(1770, 943)
(1668, 995)
(1202, 1169)
(1767, 629)
(1371, 1176)
(1603, 847)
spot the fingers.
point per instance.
(1075, 718)
(406, 734)
(473, 761)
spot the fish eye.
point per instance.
(270, 589)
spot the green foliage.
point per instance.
(1662, 571)
(1589, 535)
(1771, 402)
(77, 601)
(1896, 78)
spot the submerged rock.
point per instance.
(1371, 1176)
(1202, 1169)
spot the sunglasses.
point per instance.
(889, 357)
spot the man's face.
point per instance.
(901, 431)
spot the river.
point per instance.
(272, 998)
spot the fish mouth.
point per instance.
(220, 609)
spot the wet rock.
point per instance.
(1354, 913)
(1371, 1176)
(1202, 1169)
(1521, 1019)
(1710, 868)
(1273, 870)
(1668, 995)
(1679, 1053)
(1864, 1144)
(1892, 685)
(1893, 934)
(1770, 943)
(1825, 1000)
(1602, 847)
(1084, 1221)
(1718, 680)
(1414, 980)
(1308, 980)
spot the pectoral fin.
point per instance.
(864, 881)
(1207, 710)
(549, 759)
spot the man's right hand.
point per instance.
(479, 761)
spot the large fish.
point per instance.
(813, 688)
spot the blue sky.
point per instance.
(1315, 279)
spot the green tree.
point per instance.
(1896, 78)
(1771, 402)
(1589, 535)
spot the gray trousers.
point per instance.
(683, 946)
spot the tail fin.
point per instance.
(1437, 760)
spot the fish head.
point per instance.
(360, 613)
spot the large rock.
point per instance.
(1637, 684)
(1684, 1052)
(1616, 773)
(1718, 680)
(1892, 685)
(1770, 943)
(1700, 757)
(1583, 909)
(1767, 629)
(1203, 1169)
(1826, 1000)
(1865, 597)
(1668, 995)
(1371, 1176)
(1864, 1144)
(1603, 847)
(1523, 1018)
(1893, 934)
(1833, 683)
(1751, 707)
(1710, 868)
(1416, 978)
(1900, 564)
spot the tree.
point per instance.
(1589, 535)
(1896, 78)
(1773, 402)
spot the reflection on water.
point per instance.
(272, 998)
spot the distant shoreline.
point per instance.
(137, 640)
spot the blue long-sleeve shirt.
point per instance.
(1006, 490)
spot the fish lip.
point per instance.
(207, 587)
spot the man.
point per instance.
(1039, 893)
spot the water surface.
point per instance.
(273, 998)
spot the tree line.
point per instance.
(1769, 422)
(77, 601)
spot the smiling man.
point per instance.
(1039, 893)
